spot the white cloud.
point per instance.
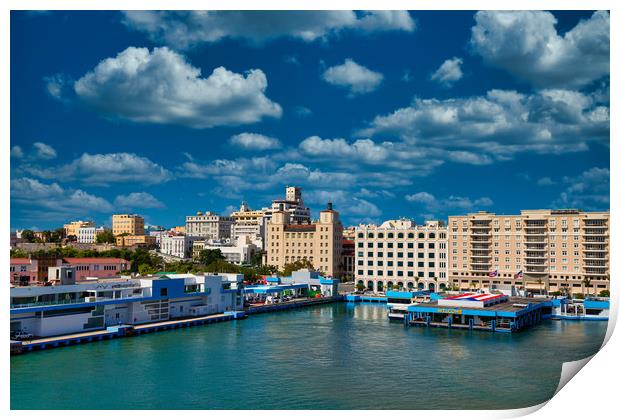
(453, 203)
(296, 172)
(43, 151)
(55, 200)
(17, 152)
(346, 203)
(137, 200)
(364, 149)
(162, 87)
(358, 79)
(500, 124)
(527, 44)
(57, 86)
(254, 141)
(104, 169)
(587, 191)
(303, 111)
(545, 181)
(185, 29)
(449, 72)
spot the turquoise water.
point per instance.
(340, 356)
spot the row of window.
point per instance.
(390, 273)
(431, 264)
(401, 245)
(401, 235)
(371, 254)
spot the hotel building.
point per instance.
(88, 235)
(208, 225)
(536, 250)
(136, 240)
(248, 223)
(401, 254)
(319, 242)
(131, 224)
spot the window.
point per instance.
(163, 291)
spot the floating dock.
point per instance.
(291, 305)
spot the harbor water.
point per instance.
(336, 356)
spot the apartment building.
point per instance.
(535, 250)
(72, 228)
(208, 225)
(400, 254)
(348, 260)
(83, 269)
(319, 242)
(131, 224)
(176, 245)
(238, 252)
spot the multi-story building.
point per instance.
(85, 268)
(319, 242)
(400, 254)
(23, 271)
(131, 224)
(238, 252)
(176, 245)
(136, 240)
(348, 260)
(88, 235)
(71, 229)
(248, 223)
(536, 250)
(208, 225)
(349, 233)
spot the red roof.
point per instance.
(20, 260)
(96, 260)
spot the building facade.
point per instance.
(131, 224)
(136, 240)
(72, 228)
(238, 252)
(85, 268)
(400, 254)
(320, 242)
(23, 271)
(176, 245)
(208, 225)
(536, 250)
(249, 223)
(88, 235)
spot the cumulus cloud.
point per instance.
(346, 203)
(162, 87)
(137, 200)
(254, 141)
(358, 79)
(454, 203)
(545, 181)
(185, 29)
(527, 44)
(54, 199)
(43, 151)
(587, 191)
(449, 72)
(104, 169)
(17, 152)
(500, 124)
(57, 86)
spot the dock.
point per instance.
(297, 303)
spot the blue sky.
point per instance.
(387, 114)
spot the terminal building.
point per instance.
(90, 306)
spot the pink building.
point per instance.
(97, 267)
(23, 271)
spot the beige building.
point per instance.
(248, 223)
(319, 242)
(131, 224)
(208, 225)
(71, 229)
(135, 240)
(401, 254)
(536, 250)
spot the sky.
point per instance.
(419, 114)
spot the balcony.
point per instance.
(596, 239)
(595, 222)
(595, 232)
(480, 239)
(535, 270)
(480, 267)
(535, 254)
(535, 241)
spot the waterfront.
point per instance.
(340, 356)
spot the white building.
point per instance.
(176, 245)
(401, 254)
(208, 225)
(238, 252)
(55, 310)
(88, 235)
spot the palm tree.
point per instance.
(587, 283)
(540, 283)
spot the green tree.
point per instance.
(294, 266)
(105, 237)
(257, 259)
(145, 269)
(604, 293)
(266, 270)
(359, 287)
(222, 266)
(28, 235)
(209, 256)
